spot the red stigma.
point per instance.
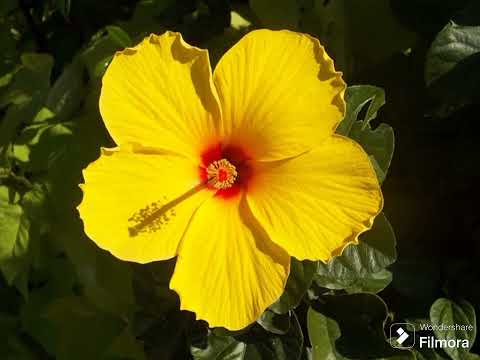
(222, 174)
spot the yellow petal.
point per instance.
(123, 203)
(316, 204)
(160, 94)
(279, 92)
(228, 272)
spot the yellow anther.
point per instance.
(221, 174)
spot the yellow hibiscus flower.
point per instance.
(233, 172)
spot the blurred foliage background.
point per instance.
(63, 298)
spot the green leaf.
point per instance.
(15, 263)
(119, 36)
(47, 142)
(352, 39)
(98, 54)
(66, 94)
(378, 144)
(25, 94)
(57, 282)
(361, 268)
(40, 64)
(7, 5)
(31, 225)
(80, 330)
(356, 98)
(151, 287)
(256, 344)
(274, 323)
(64, 7)
(12, 345)
(372, 283)
(277, 14)
(350, 327)
(126, 346)
(107, 281)
(43, 115)
(451, 69)
(299, 280)
(238, 22)
(220, 347)
(16, 117)
(453, 45)
(101, 66)
(32, 79)
(461, 313)
(7, 78)
(323, 333)
(262, 346)
(428, 354)
(13, 226)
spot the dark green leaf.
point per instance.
(362, 267)
(7, 5)
(447, 312)
(299, 280)
(66, 94)
(274, 323)
(107, 281)
(98, 54)
(277, 14)
(451, 69)
(46, 143)
(428, 354)
(16, 117)
(256, 344)
(64, 7)
(219, 347)
(119, 36)
(26, 94)
(276, 347)
(80, 330)
(453, 45)
(126, 346)
(350, 327)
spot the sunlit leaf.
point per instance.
(361, 268)
(356, 98)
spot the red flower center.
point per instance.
(225, 169)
